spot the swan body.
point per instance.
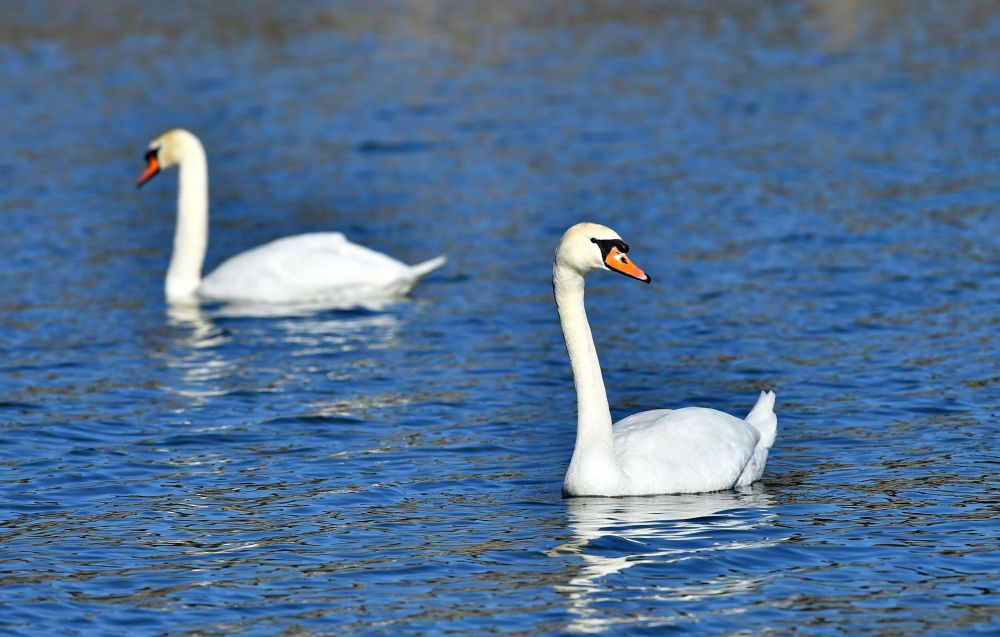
(689, 450)
(308, 268)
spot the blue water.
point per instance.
(814, 187)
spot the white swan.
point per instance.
(308, 268)
(689, 450)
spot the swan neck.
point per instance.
(191, 235)
(594, 442)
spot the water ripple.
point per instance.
(812, 184)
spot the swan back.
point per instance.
(320, 267)
(688, 450)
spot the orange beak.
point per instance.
(617, 261)
(152, 167)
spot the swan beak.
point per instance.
(152, 167)
(617, 261)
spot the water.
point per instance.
(813, 187)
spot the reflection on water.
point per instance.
(816, 184)
(204, 340)
(196, 328)
(278, 310)
(664, 533)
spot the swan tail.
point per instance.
(762, 416)
(763, 419)
(421, 269)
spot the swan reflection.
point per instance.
(344, 303)
(196, 352)
(206, 364)
(614, 534)
(197, 329)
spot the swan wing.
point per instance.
(687, 450)
(309, 267)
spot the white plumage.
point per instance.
(322, 267)
(687, 450)
(311, 268)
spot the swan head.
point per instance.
(591, 246)
(169, 149)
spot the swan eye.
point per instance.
(607, 244)
(151, 153)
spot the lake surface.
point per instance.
(814, 187)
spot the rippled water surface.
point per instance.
(814, 187)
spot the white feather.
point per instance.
(304, 269)
(689, 450)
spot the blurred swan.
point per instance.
(308, 268)
(687, 450)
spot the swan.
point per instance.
(307, 268)
(663, 451)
